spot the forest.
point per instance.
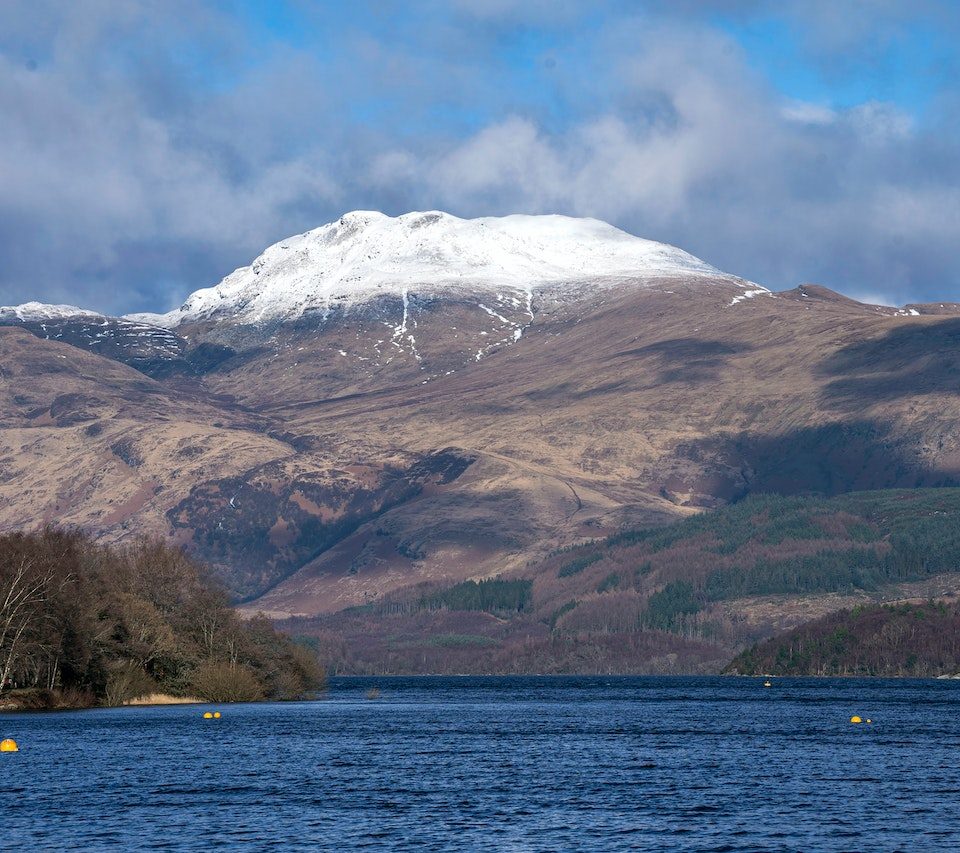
(491, 596)
(85, 624)
(914, 640)
(686, 596)
(768, 545)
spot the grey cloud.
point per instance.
(126, 184)
(119, 196)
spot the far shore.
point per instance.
(32, 701)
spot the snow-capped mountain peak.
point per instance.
(366, 253)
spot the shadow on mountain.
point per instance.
(257, 528)
(829, 459)
(688, 359)
(907, 361)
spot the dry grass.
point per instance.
(164, 699)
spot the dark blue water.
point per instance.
(679, 764)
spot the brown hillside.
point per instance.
(319, 480)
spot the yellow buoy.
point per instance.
(207, 715)
(216, 715)
(855, 719)
(9, 745)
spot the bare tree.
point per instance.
(23, 593)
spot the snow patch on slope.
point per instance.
(749, 294)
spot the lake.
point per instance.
(513, 763)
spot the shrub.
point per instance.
(126, 680)
(226, 682)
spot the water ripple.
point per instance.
(513, 764)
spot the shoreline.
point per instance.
(46, 702)
(54, 704)
(363, 675)
(151, 700)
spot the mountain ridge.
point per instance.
(419, 439)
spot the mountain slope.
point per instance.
(681, 597)
(461, 415)
(626, 414)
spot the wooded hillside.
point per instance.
(918, 640)
(83, 624)
(682, 597)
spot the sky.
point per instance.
(149, 148)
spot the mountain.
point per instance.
(366, 255)
(144, 346)
(420, 295)
(685, 596)
(385, 402)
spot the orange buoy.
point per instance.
(855, 719)
(9, 745)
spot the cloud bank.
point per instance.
(148, 149)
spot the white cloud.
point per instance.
(804, 112)
(780, 196)
(879, 122)
(125, 181)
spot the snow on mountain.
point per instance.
(39, 312)
(144, 346)
(365, 254)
